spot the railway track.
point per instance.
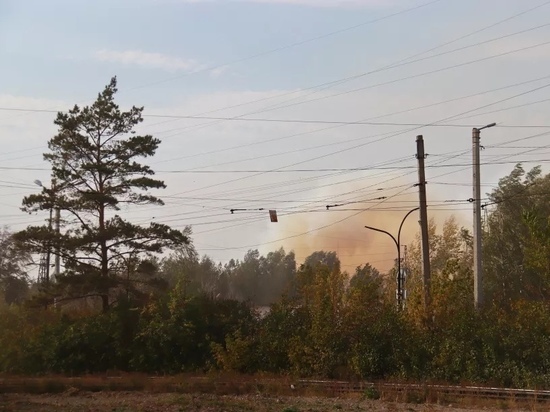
(271, 386)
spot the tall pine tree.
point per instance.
(94, 159)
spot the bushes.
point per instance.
(177, 334)
(353, 335)
(169, 336)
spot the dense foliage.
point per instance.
(327, 327)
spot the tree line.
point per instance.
(139, 298)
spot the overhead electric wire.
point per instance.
(308, 231)
(365, 123)
(287, 152)
(340, 81)
(295, 44)
(326, 199)
(502, 158)
(454, 66)
(384, 83)
(354, 169)
(299, 181)
(240, 223)
(392, 66)
(302, 42)
(199, 117)
(369, 142)
(389, 134)
(511, 108)
(252, 200)
(511, 197)
(450, 156)
(364, 120)
(332, 197)
(286, 183)
(521, 139)
(345, 123)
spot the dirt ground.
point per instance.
(77, 401)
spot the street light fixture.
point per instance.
(400, 279)
(44, 273)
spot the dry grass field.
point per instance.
(237, 393)
(74, 400)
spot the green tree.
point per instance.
(261, 280)
(278, 270)
(537, 251)
(14, 260)
(94, 159)
(330, 259)
(372, 325)
(366, 274)
(451, 269)
(320, 296)
(514, 237)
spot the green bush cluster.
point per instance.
(327, 330)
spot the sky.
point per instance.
(275, 90)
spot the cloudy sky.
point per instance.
(257, 103)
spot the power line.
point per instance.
(350, 78)
(382, 136)
(376, 84)
(299, 43)
(341, 81)
(414, 76)
(365, 144)
(351, 123)
(332, 197)
(239, 224)
(288, 46)
(364, 120)
(510, 108)
(309, 231)
(333, 122)
(395, 65)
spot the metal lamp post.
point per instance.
(57, 268)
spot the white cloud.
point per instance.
(218, 71)
(148, 60)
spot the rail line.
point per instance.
(241, 385)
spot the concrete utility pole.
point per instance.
(478, 273)
(426, 269)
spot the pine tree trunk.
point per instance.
(105, 303)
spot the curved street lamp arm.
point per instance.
(402, 222)
(387, 233)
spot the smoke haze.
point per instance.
(354, 244)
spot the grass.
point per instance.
(157, 402)
(238, 390)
